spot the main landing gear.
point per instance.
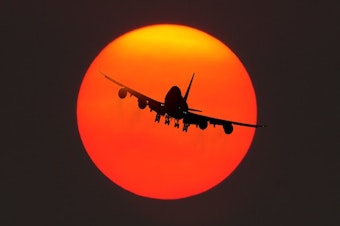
(185, 127)
(168, 119)
(177, 123)
(158, 117)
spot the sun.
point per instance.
(155, 160)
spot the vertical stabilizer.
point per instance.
(188, 90)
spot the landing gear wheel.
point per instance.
(185, 127)
(158, 117)
(177, 124)
(167, 120)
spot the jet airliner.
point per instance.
(175, 106)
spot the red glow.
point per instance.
(155, 160)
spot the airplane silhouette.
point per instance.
(175, 106)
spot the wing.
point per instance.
(202, 121)
(143, 100)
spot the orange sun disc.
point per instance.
(153, 159)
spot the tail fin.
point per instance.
(187, 93)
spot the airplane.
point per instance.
(175, 106)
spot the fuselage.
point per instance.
(175, 105)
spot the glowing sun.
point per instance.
(153, 159)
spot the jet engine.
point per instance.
(203, 125)
(142, 103)
(228, 128)
(122, 93)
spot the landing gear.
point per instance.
(185, 127)
(167, 120)
(177, 123)
(158, 117)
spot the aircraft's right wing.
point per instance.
(143, 100)
(202, 121)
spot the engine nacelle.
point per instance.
(228, 128)
(122, 93)
(203, 125)
(142, 103)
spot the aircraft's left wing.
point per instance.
(143, 100)
(202, 121)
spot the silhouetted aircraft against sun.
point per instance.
(175, 106)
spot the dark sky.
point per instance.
(291, 173)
